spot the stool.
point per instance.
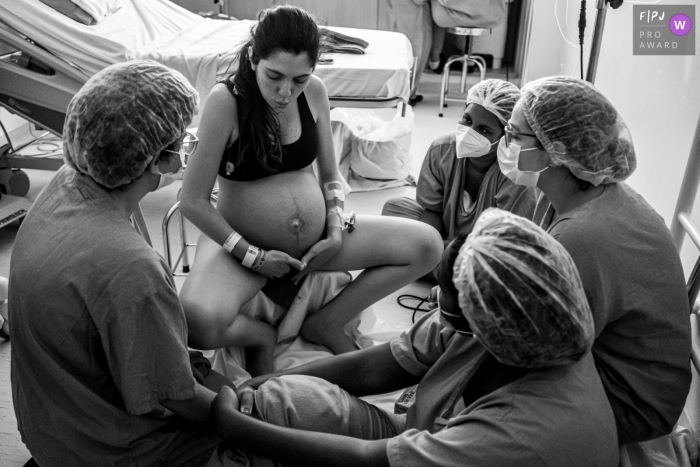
(183, 256)
(465, 59)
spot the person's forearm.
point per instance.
(296, 447)
(206, 218)
(195, 408)
(361, 373)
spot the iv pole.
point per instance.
(602, 7)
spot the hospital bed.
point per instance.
(53, 56)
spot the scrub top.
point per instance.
(98, 335)
(634, 283)
(441, 189)
(556, 416)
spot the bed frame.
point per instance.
(37, 85)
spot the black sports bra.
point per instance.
(297, 155)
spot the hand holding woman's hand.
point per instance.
(278, 263)
(319, 254)
(246, 397)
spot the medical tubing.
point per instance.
(417, 307)
(582, 30)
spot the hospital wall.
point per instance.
(658, 97)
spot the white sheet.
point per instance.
(293, 350)
(202, 49)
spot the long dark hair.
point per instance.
(283, 28)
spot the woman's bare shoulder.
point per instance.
(317, 96)
(220, 98)
(316, 90)
(220, 115)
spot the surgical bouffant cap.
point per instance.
(521, 293)
(123, 117)
(496, 96)
(580, 129)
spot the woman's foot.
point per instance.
(317, 331)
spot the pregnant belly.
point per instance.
(284, 212)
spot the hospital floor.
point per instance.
(427, 127)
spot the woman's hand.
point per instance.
(246, 396)
(246, 392)
(278, 263)
(319, 254)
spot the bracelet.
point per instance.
(336, 217)
(260, 260)
(232, 241)
(250, 256)
(333, 190)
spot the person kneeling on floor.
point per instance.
(99, 338)
(504, 371)
(460, 178)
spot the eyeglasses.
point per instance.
(186, 146)
(509, 133)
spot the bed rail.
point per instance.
(686, 198)
(15, 39)
(682, 224)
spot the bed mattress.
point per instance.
(202, 49)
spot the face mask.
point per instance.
(470, 143)
(508, 157)
(165, 178)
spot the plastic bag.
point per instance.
(380, 148)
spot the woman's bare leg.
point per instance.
(393, 252)
(212, 295)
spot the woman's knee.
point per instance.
(428, 246)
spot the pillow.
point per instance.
(71, 10)
(99, 9)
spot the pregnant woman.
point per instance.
(260, 131)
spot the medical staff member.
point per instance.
(99, 339)
(460, 178)
(567, 139)
(505, 378)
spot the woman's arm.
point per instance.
(290, 446)
(217, 124)
(329, 179)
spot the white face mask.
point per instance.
(470, 143)
(165, 178)
(508, 162)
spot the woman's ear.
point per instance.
(250, 58)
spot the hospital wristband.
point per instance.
(259, 260)
(250, 256)
(232, 241)
(335, 217)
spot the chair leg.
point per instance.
(482, 66)
(183, 241)
(465, 65)
(446, 81)
(443, 87)
(166, 234)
